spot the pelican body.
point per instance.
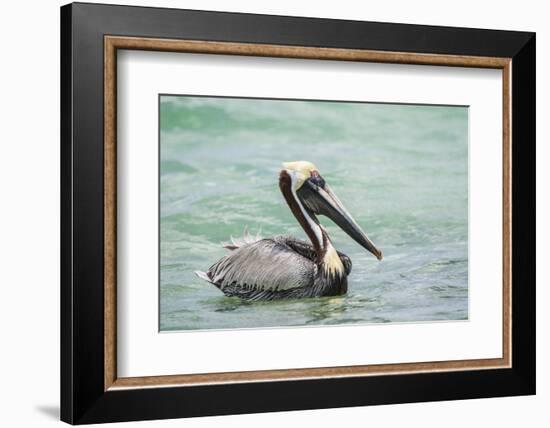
(283, 267)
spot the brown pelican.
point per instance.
(283, 267)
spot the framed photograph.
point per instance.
(266, 213)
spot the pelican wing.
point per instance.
(269, 265)
(301, 247)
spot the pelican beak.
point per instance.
(319, 198)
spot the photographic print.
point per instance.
(293, 213)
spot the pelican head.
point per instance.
(317, 198)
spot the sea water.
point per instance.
(400, 170)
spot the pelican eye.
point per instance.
(316, 179)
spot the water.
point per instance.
(400, 170)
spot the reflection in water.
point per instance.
(400, 170)
(228, 304)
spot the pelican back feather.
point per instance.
(266, 269)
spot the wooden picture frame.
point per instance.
(91, 390)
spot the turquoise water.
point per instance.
(400, 170)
